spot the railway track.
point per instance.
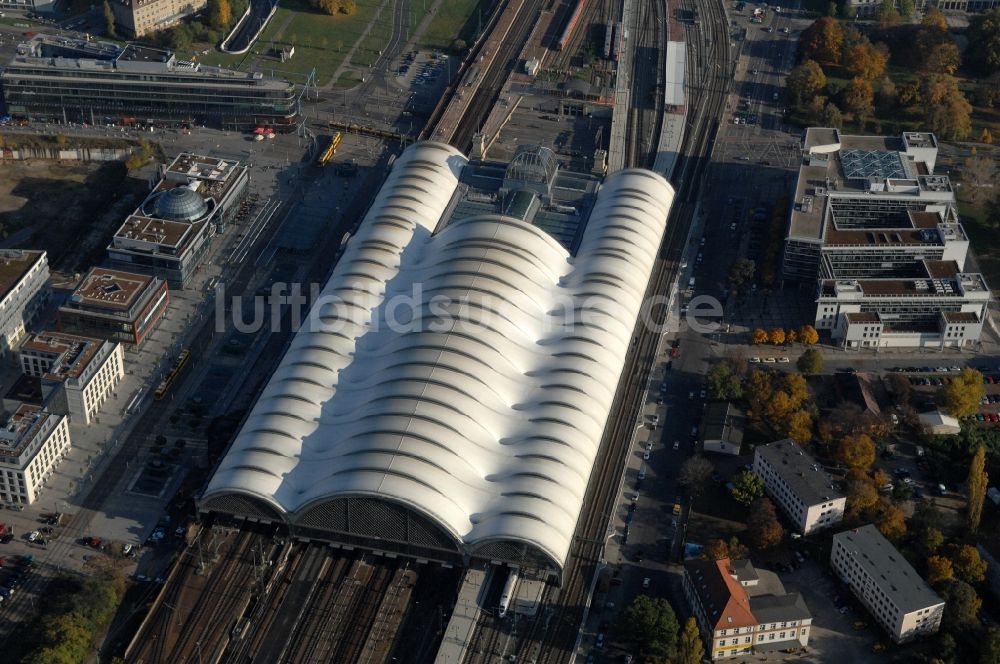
(303, 642)
(493, 78)
(646, 114)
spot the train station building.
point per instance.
(448, 395)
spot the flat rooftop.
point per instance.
(72, 353)
(14, 265)
(888, 568)
(162, 232)
(105, 288)
(22, 427)
(803, 475)
(50, 52)
(943, 280)
(838, 165)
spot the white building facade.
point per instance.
(799, 485)
(897, 597)
(32, 443)
(78, 373)
(24, 290)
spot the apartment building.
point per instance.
(77, 374)
(876, 232)
(136, 18)
(115, 305)
(736, 616)
(24, 290)
(62, 80)
(799, 486)
(168, 235)
(897, 597)
(32, 443)
(871, 8)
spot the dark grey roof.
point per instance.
(888, 568)
(180, 204)
(804, 477)
(744, 570)
(779, 608)
(723, 421)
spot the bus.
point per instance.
(175, 371)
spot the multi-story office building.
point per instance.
(136, 18)
(799, 485)
(870, 216)
(115, 305)
(168, 235)
(902, 602)
(77, 373)
(941, 308)
(870, 8)
(735, 622)
(32, 442)
(65, 80)
(24, 290)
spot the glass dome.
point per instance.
(180, 204)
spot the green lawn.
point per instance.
(457, 19)
(320, 40)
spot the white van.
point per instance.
(691, 283)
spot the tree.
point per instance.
(741, 273)
(822, 40)
(791, 335)
(979, 173)
(886, 97)
(856, 451)
(795, 385)
(946, 110)
(804, 82)
(969, 566)
(723, 382)
(798, 426)
(109, 19)
(984, 41)
(763, 527)
(695, 473)
(939, 569)
(930, 540)
(935, 20)
(181, 37)
(866, 61)
(859, 97)
(220, 14)
(891, 522)
(942, 58)
(779, 407)
(962, 395)
(810, 362)
(690, 649)
(759, 336)
(887, 15)
(716, 549)
(747, 487)
(808, 335)
(900, 388)
(737, 551)
(831, 116)
(977, 482)
(905, 8)
(989, 646)
(776, 336)
(650, 626)
(961, 605)
(986, 136)
(862, 494)
(758, 390)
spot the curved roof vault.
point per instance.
(475, 406)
